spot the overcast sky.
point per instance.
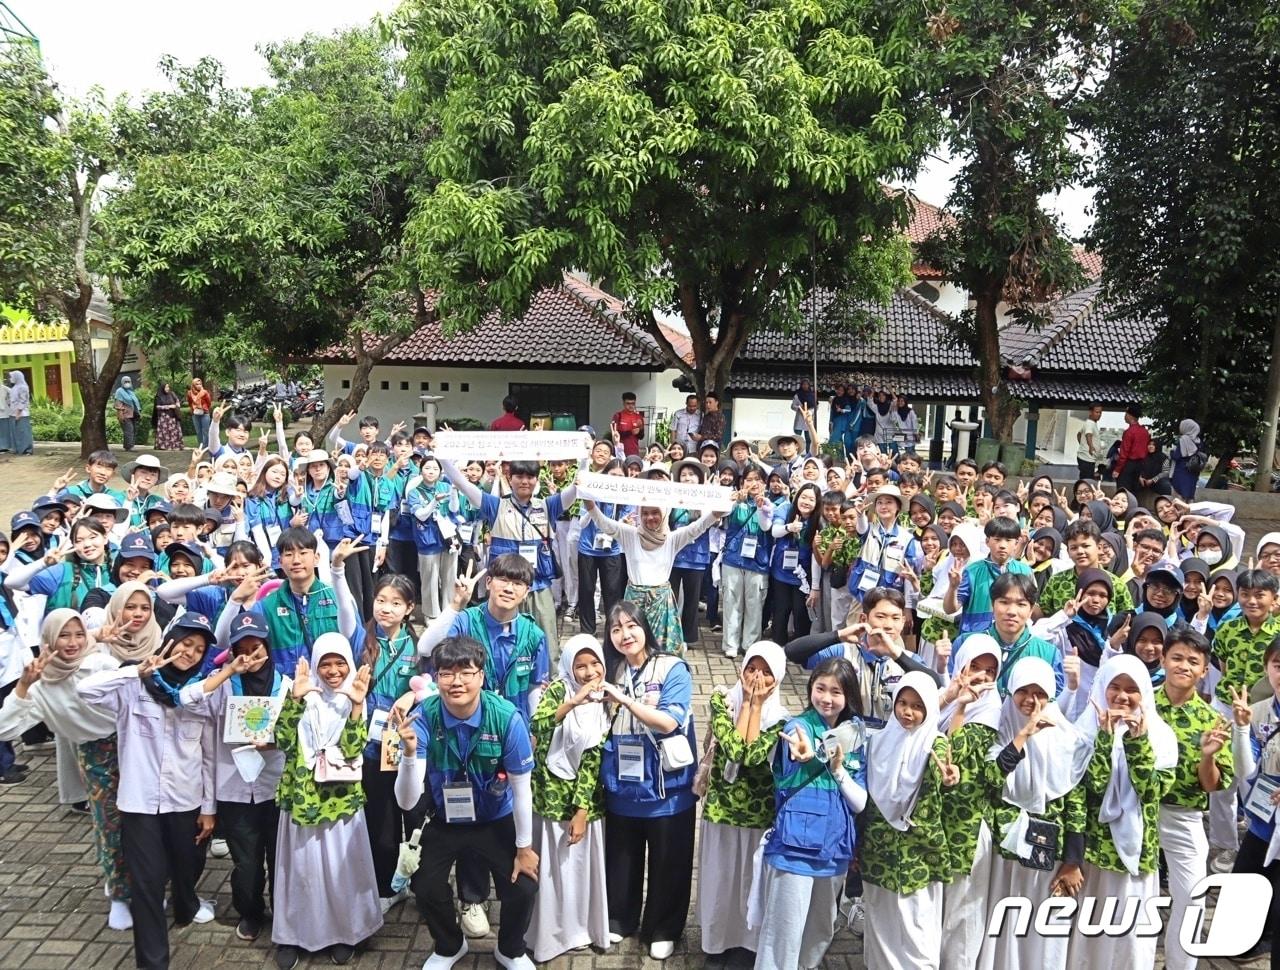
(117, 45)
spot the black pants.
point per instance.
(1087, 469)
(612, 583)
(688, 583)
(669, 842)
(388, 825)
(402, 558)
(360, 580)
(160, 849)
(493, 842)
(250, 831)
(129, 431)
(788, 604)
(1128, 477)
(713, 596)
(1252, 857)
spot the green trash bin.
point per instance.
(1011, 455)
(564, 422)
(988, 450)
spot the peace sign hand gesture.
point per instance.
(1118, 638)
(1072, 606)
(464, 587)
(798, 745)
(1241, 712)
(402, 724)
(1215, 739)
(32, 671)
(345, 549)
(950, 772)
(151, 664)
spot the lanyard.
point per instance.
(525, 515)
(300, 607)
(464, 757)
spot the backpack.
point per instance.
(1197, 461)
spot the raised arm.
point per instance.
(455, 475)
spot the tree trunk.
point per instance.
(95, 387)
(366, 358)
(993, 391)
(1219, 477)
(1270, 410)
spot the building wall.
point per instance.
(33, 365)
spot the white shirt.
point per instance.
(58, 704)
(1083, 450)
(229, 784)
(650, 567)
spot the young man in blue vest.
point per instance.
(473, 748)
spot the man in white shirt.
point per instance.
(1089, 450)
(685, 424)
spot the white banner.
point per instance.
(643, 491)
(511, 445)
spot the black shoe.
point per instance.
(286, 957)
(341, 953)
(18, 769)
(81, 808)
(13, 778)
(248, 929)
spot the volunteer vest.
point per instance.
(513, 682)
(483, 760)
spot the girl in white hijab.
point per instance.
(738, 804)
(1032, 771)
(971, 718)
(904, 844)
(1131, 768)
(571, 909)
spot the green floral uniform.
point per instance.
(1067, 812)
(1061, 587)
(1188, 722)
(933, 628)
(968, 804)
(747, 801)
(1150, 786)
(554, 798)
(906, 862)
(298, 794)
(1239, 652)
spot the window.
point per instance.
(386, 385)
(928, 291)
(424, 386)
(465, 387)
(404, 385)
(541, 404)
(346, 385)
(444, 386)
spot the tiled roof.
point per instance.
(912, 333)
(1082, 338)
(1090, 261)
(573, 325)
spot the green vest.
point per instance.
(485, 758)
(515, 681)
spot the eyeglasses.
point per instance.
(1273, 554)
(461, 676)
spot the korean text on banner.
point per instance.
(644, 491)
(511, 445)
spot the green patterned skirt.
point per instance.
(658, 604)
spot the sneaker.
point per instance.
(386, 902)
(219, 849)
(19, 767)
(1224, 860)
(474, 920)
(661, 949)
(731, 654)
(437, 962)
(120, 917)
(717, 627)
(286, 957)
(206, 912)
(39, 745)
(80, 807)
(341, 953)
(248, 929)
(571, 613)
(855, 915)
(522, 962)
(13, 778)
(614, 938)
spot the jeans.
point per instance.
(201, 424)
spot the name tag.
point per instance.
(791, 559)
(404, 506)
(892, 559)
(459, 803)
(226, 535)
(870, 580)
(466, 531)
(604, 542)
(273, 534)
(343, 509)
(631, 762)
(529, 553)
(1259, 803)
(749, 546)
(377, 722)
(375, 523)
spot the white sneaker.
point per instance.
(219, 849)
(120, 918)
(731, 654)
(661, 949)
(522, 962)
(614, 938)
(386, 902)
(474, 920)
(1224, 860)
(206, 912)
(857, 917)
(437, 962)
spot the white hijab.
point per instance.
(897, 758)
(1120, 808)
(986, 709)
(773, 712)
(583, 727)
(327, 710)
(1047, 770)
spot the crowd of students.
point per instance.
(1013, 690)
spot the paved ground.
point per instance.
(53, 913)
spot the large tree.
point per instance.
(57, 157)
(1188, 126)
(1008, 76)
(713, 161)
(285, 224)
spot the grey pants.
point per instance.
(542, 607)
(432, 572)
(742, 606)
(799, 919)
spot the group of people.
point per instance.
(345, 668)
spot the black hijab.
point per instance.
(1088, 634)
(1100, 512)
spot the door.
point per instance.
(53, 382)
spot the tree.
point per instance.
(1188, 128)
(1009, 76)
(712, 161)
(56, 158)
(284, 223)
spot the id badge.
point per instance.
(631, 762)
(343, 508)
(749, 546)
(604, 542)
(273, 534)
(892, 559)
(226, 535)
(459, 803)
(529, 553)
(391, 752)
(404, 506)
(466, 531)
(377, 722)
(1259, 803)
(869, 581)
(791, 559)
(375, 523)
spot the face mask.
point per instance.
(1211, 557)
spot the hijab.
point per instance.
(1047, 769)
(57, 669)
(327, 710)
(1100, 512)
(1121, 809)
(773, 712)
(1120, 557)
(1088, 634)
(898, 758)
(1145, 621)
(19, 393)
(132, 647)
(926, 503)
(164, 683)
(260, 682)
(1188, 437)
(882, 406)
(585, 726)
(986, 709)
(653, 538)
(904, 410)
(1053, 535)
